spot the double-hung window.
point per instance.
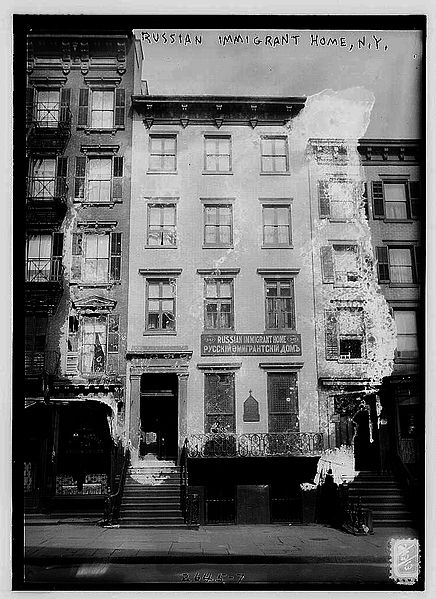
(397, 264)
(280, 304)
(218, 303)
(395, 199)
(44, 257)
(161, 225)
(96, 257)
(160, 305)
(162, 153)
(218, 225)
(407, 334)
(217, 154)
(101, 108)
(42, 179)
(93, 343)
(338, 198)
(276, 225)
(345, 333)
(274, 154)
(99, 179)
(340, 264)
(48, 107)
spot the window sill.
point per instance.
(407, 360)
(217, 331)
(162, 173)
(279, 331)
(352, 285)
(406, 285)
(277, 247)
(278, 174)
(99, 284)
(217, 247)
(111, 130)
(86, 204)
(161, 247)
(352, 361)
(159, 333)
(400, 220)
(217, 173)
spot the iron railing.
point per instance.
(113, 501)
(357, 519)
(49, 115)
(38, 362)
(46, 189)
(217, 445)
(189, 501)
(44, 270)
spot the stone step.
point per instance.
(146, 513)
(156, 526)
(146, 520)
(135, 505)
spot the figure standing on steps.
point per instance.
(362, 438)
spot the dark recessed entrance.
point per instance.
(158, 416)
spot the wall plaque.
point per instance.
(251, 344)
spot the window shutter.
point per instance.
(327, 268)
(82, 118)
(331, 335)
(324, 199)
(61, 176)
(117, 179)
(378, 204)
(57, 251)
(414, 198)
(115, 256)
(76, 261)
(113, 333)
(65, 105)
(418, 263)
(120, 107)
(365, 198)
(383, 264)
(79, 181)
(30, 99)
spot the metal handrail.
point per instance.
(113, 501)
(184, 479)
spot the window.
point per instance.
(395, 200)
(279, 304)
(219, 402)
(96, 257)
(282, 403)
(397, 264)
(163, 153)
(274, 154)
(161, 305)
(218, 225)
(218, 302)
(99, 179)
(337, 198)
(101, 108)
(47, 178)
(217, 154)
(340, 264)
(35, 332)
(48, 107)
(93, 343)
(345, 331)
(161, 225)
(276, 225)
(44, 257)
(407, 333)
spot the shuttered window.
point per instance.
(103, 108)
(397, 264)
(407, 333)
(96, 258)
(395, 200)
(219, 402)
(99, 179)
(282, 403)
(344, 333)
(340, 264)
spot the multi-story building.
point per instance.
(77, 223)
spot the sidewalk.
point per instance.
(90, 543)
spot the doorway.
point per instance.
(158, 417)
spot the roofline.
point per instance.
(212, 99)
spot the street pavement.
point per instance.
(75, 554)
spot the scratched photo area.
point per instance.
(223, 304)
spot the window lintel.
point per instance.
(107, 225)
(281, 366)
(218, 272)
(99, 149)
(102, 81)
(278, 272)
(158, 273)
(219, 366)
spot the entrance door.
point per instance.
(159, 418)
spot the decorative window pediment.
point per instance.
(95, 303)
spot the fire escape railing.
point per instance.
(113, 501)
(44, 270)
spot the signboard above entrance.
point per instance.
(251, 344)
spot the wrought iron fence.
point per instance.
(408, 449)
(253, 445)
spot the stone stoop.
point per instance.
(151, 497)
(382, 494)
